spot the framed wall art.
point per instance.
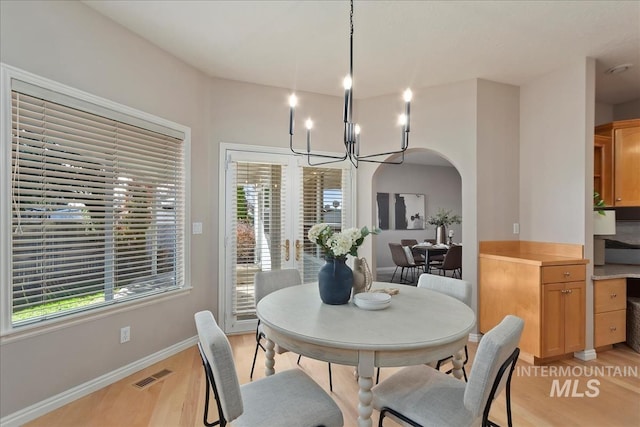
(409, 211)
(382, 205)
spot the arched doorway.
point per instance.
(406, 195)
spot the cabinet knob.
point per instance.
(613, 328)
(614, 295)
(618, 199)
(567, 274)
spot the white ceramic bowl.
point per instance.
(372, 300)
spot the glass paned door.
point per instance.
(322, 200)
(270, 203)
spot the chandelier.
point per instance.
(351, 130)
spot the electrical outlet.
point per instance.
(196, 228)
(125, 334)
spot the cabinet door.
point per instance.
(553, 329)
(574, 316)
(603, 167)
(627, 166)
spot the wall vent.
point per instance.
(145, 382)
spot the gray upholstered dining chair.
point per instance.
(452, 262)
(417, 254)
(422, 396)
(456, 288)
(289, 398)
(266, 282)
(403, 259)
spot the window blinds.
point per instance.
(321, 201)
(97, 209)
(259, 233)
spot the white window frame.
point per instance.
(7, 73)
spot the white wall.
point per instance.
(626, 111)
(554, 138)
(603, 114)
(72, 44)
(442, 188)
(498, 160)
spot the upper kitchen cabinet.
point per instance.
(617, 162)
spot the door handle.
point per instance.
(286, 247)
(298, 249)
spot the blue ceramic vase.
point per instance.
(335, 280)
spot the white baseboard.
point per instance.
(39, 409)
(586, 355)
(386, 270)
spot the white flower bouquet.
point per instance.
(339, 245)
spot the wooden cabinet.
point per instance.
(563, 318)
(544, 284)
(616, 174)
(610, 311)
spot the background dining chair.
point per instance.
(289, 398)
(418, 255)
(403, 259)
(456, 288)
(420, 395)
(452, 262)
(266, 282)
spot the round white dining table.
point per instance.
(419, 326)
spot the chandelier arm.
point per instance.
(336, 160)
(388, 153)
(310, 154)
(384, 162)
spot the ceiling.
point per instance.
(303, 45)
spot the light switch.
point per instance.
(516, 228)
(196, 228)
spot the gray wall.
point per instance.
(627, 110)
(442, 188)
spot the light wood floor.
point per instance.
(177, 400)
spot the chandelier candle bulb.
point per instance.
(292, 105)
(407, 108)
(309, 125)
(347, 94)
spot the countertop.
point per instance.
(533, 258)
(615, 271)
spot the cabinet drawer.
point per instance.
(609, 328)
(563, 273)
(610, 295)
